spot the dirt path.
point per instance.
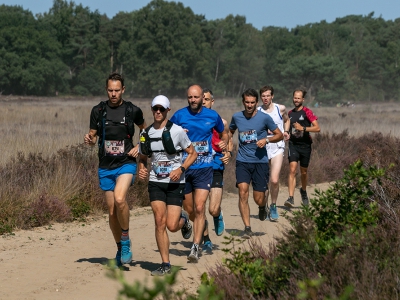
(66, 261)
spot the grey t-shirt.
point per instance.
(163, 163)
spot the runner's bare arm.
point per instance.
(228, 152)
(192, 155)
(135, 150)
(314, 127)
(91, 137)
(278, 136)
(142, 166)
(286, 122)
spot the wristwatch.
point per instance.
(304, 128)
(230, 152)
(182, 169)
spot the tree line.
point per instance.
(164, 47)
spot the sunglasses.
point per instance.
(159, 108)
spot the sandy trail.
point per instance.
(67, 261)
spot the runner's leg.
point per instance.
(244, 202)
(275, 169)
(160, 219)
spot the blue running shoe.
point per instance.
(207, 248)
(273, 213)
(118, 259)
(126, 254)
(219, 224)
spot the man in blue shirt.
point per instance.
(199, 122)
(252, 158)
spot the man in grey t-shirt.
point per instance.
(252, 157)
(167, 177)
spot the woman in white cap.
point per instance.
(164, 143)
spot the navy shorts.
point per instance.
(218, 179)
(108, 178)
(300, 152)
(198, 179)
(170, 193)
(257, 173)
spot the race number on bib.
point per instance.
(114, 148)
(247, 137)
(162, 168)
(201, 148)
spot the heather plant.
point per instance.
(36, 190)
(342, 246)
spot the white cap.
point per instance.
(160, 100)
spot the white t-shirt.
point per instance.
(163, 163)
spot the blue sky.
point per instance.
(260, 13)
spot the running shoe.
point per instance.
(162, 270)
(304, 197)
(262, 213)
(126, 253)
(187, 227)
(273, 212)
(194, 254)
(247, 233)
(289, 202)
(118, 259)
(207, 248)
(219, 224)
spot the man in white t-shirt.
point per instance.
(275, 150)
(164, 143)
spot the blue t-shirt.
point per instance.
(250, 131)
(199, 126)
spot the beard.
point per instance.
(195, 106)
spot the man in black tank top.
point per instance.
(117, 158)
(302, 122)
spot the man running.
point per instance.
(221, 158)
(113, 122)
(167, 176)
(302, 122)
(199, 122)
(252, 157)
(275, 150)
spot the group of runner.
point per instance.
(187, 155)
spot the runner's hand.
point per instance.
(226, 158)
(222, 145)
(134, 152)
(143, 174)
(175, 175)
(88, 139)
(261, 143)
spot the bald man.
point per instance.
(199, 122)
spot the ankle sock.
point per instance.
(125, 235)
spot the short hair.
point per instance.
(115, 76)
(267, 88)
(302, 90)
(250, 92)
(206, 90)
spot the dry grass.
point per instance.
(45, 125)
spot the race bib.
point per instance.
(247, 137)
(162, 168)
(114, 148)
(201, 148)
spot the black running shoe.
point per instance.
(162, 270)
(262, 213)
(304, 197)
(289, 202)
(247, 233)
(187, 227)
